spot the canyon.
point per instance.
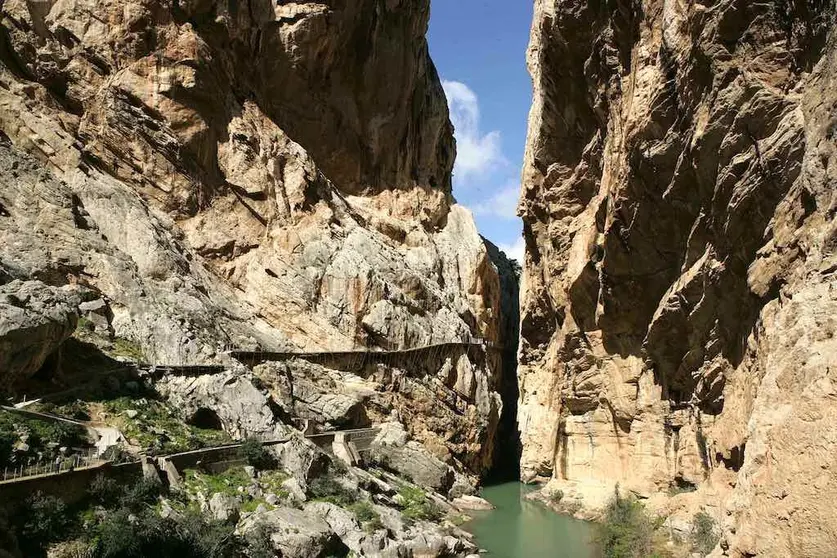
(677, 313)
(249, 203)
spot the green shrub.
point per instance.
(40, 433)
(104, 491)
(7, 441)
(705, 534)
(626, 531)
(259, 544)
(122, 535)
(43, 520)
(416, 506)
(116, 454)
(140, 495)
(211, 538)
(366, 515)
(8, 538)
(256, 455)
(327, 489)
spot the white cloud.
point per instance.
(514, 251)
(503, 204)
(476, 154)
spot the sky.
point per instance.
(479, 48)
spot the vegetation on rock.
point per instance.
(627, 531)
(366, 515)
(416, 506)
(256, 455)
(328, 489)
(23, 439)
(705, 533)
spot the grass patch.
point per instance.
(367, 516)
(271, 481)
(157, 428)
(225, 483)
(126, 348)
(252, 505)
(154, 426)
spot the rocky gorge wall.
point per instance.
(240, 175)
(677, 322)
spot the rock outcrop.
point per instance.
(34, 320)
(391, 449)
(677, 314)
(242, 174)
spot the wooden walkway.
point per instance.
(368, 355)
(159, 370)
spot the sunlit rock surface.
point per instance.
(242, 175)
(677, 314)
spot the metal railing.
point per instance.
(80, 459)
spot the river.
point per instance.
(519, 528)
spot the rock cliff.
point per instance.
(678, 308)
(246, 175)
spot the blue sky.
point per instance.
(479, 47)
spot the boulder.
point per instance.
(224, 507)
(295, 533)
(410, 459)
(302, 459)
(295, 491)
(468, 503)
(230, 398)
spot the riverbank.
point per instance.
(521, 528)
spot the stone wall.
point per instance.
(71, 487)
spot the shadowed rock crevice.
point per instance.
(506, 459)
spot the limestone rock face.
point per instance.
(227, 400)
(34, 320)
(242, 174)
(409, 458)
(441, 395)
(678, 206)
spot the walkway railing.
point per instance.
(87, 459)
(80, 459)
(250, 357)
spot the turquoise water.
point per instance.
(519, 528)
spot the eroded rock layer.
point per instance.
(677, 315)
(242, 175)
